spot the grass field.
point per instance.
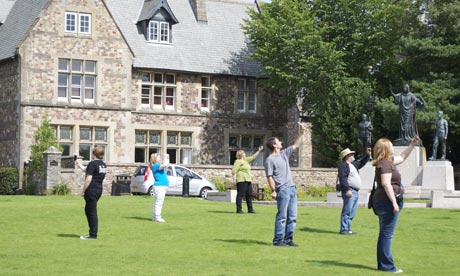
(40, 236)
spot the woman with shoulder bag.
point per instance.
(387, 199)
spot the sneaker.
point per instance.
(279, 244)
(349, 232)
(398, 270)
(88, 238)
(293, 244)
(159, 220)
(239, 212)
(252, 212)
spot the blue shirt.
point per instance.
(160, 176)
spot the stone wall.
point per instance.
(9, 112)
(302, 177)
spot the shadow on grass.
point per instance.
(320, 231)
(247, 242)
(68, 236)
(222, 212)
(341, 264)
(140, 218)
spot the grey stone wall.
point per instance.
(302, 177)
(9, 124)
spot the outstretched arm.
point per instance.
(298, 140)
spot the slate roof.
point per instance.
(216, 47)
(21, 17)
(5, 7)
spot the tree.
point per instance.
(44, 138)
(331, 54)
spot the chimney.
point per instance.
(199, 8)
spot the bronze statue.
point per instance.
(365, 133)
(440, 135)
(408, 103)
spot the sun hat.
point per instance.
(345, 152)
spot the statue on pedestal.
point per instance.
(408, 103)
(365, 133)
(440, 136)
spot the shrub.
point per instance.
(222, 184)
(61, 189)
(44, 138)
(9, 181)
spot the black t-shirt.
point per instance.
(97, 169)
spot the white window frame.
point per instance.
(160, 92)
(181, 145)
(73, 90)
(246, 96)
(80, 23)
(255, 140)
(206, 87)
(159, 32)
(92, 142)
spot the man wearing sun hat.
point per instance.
(350, 183)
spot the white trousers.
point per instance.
(160, 193)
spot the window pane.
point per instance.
(76, 65)
(158, 78)
(70, 22)
(90, 85)
(246, 142)
(85, 151)
(233, 141)
(153, 31)
(90, 67)
(241, 85)
(85, 23)
(258, 141)
(145, 95)
(85, 134)
(139, 155)
(164, 32)
(241, 102)
(172, 155)
(63, 84)
(205, 81)
(186, 139)
(154, 138)
(76, 86)
(172, 138)
(252, 85)
(63, 65)
(66, 149)
(141, 137)
(65, 133)
(100, 134)
(145, 77)
(170, 79)
(186, 156)
(157, 95)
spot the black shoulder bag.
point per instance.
(370, 202)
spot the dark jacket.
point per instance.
(344, 171)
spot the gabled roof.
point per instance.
(151, 7)
(216, 47)
(5, 7)
(21, 18)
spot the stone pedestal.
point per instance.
(411, 168)
(438, 175)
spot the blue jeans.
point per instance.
(350, 204)
(286, 217)
(387, 223)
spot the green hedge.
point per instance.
(9, 181)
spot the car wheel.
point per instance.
(204, 193)
(150, 191)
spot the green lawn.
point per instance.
(40, 236)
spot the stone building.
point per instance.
(136, 77)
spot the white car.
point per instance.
(198, 185)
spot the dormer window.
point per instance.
(159, 32)
(155, 21)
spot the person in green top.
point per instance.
(242, 176)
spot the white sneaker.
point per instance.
(398, 270)
(159, 220)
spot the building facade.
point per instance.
(136, 77)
